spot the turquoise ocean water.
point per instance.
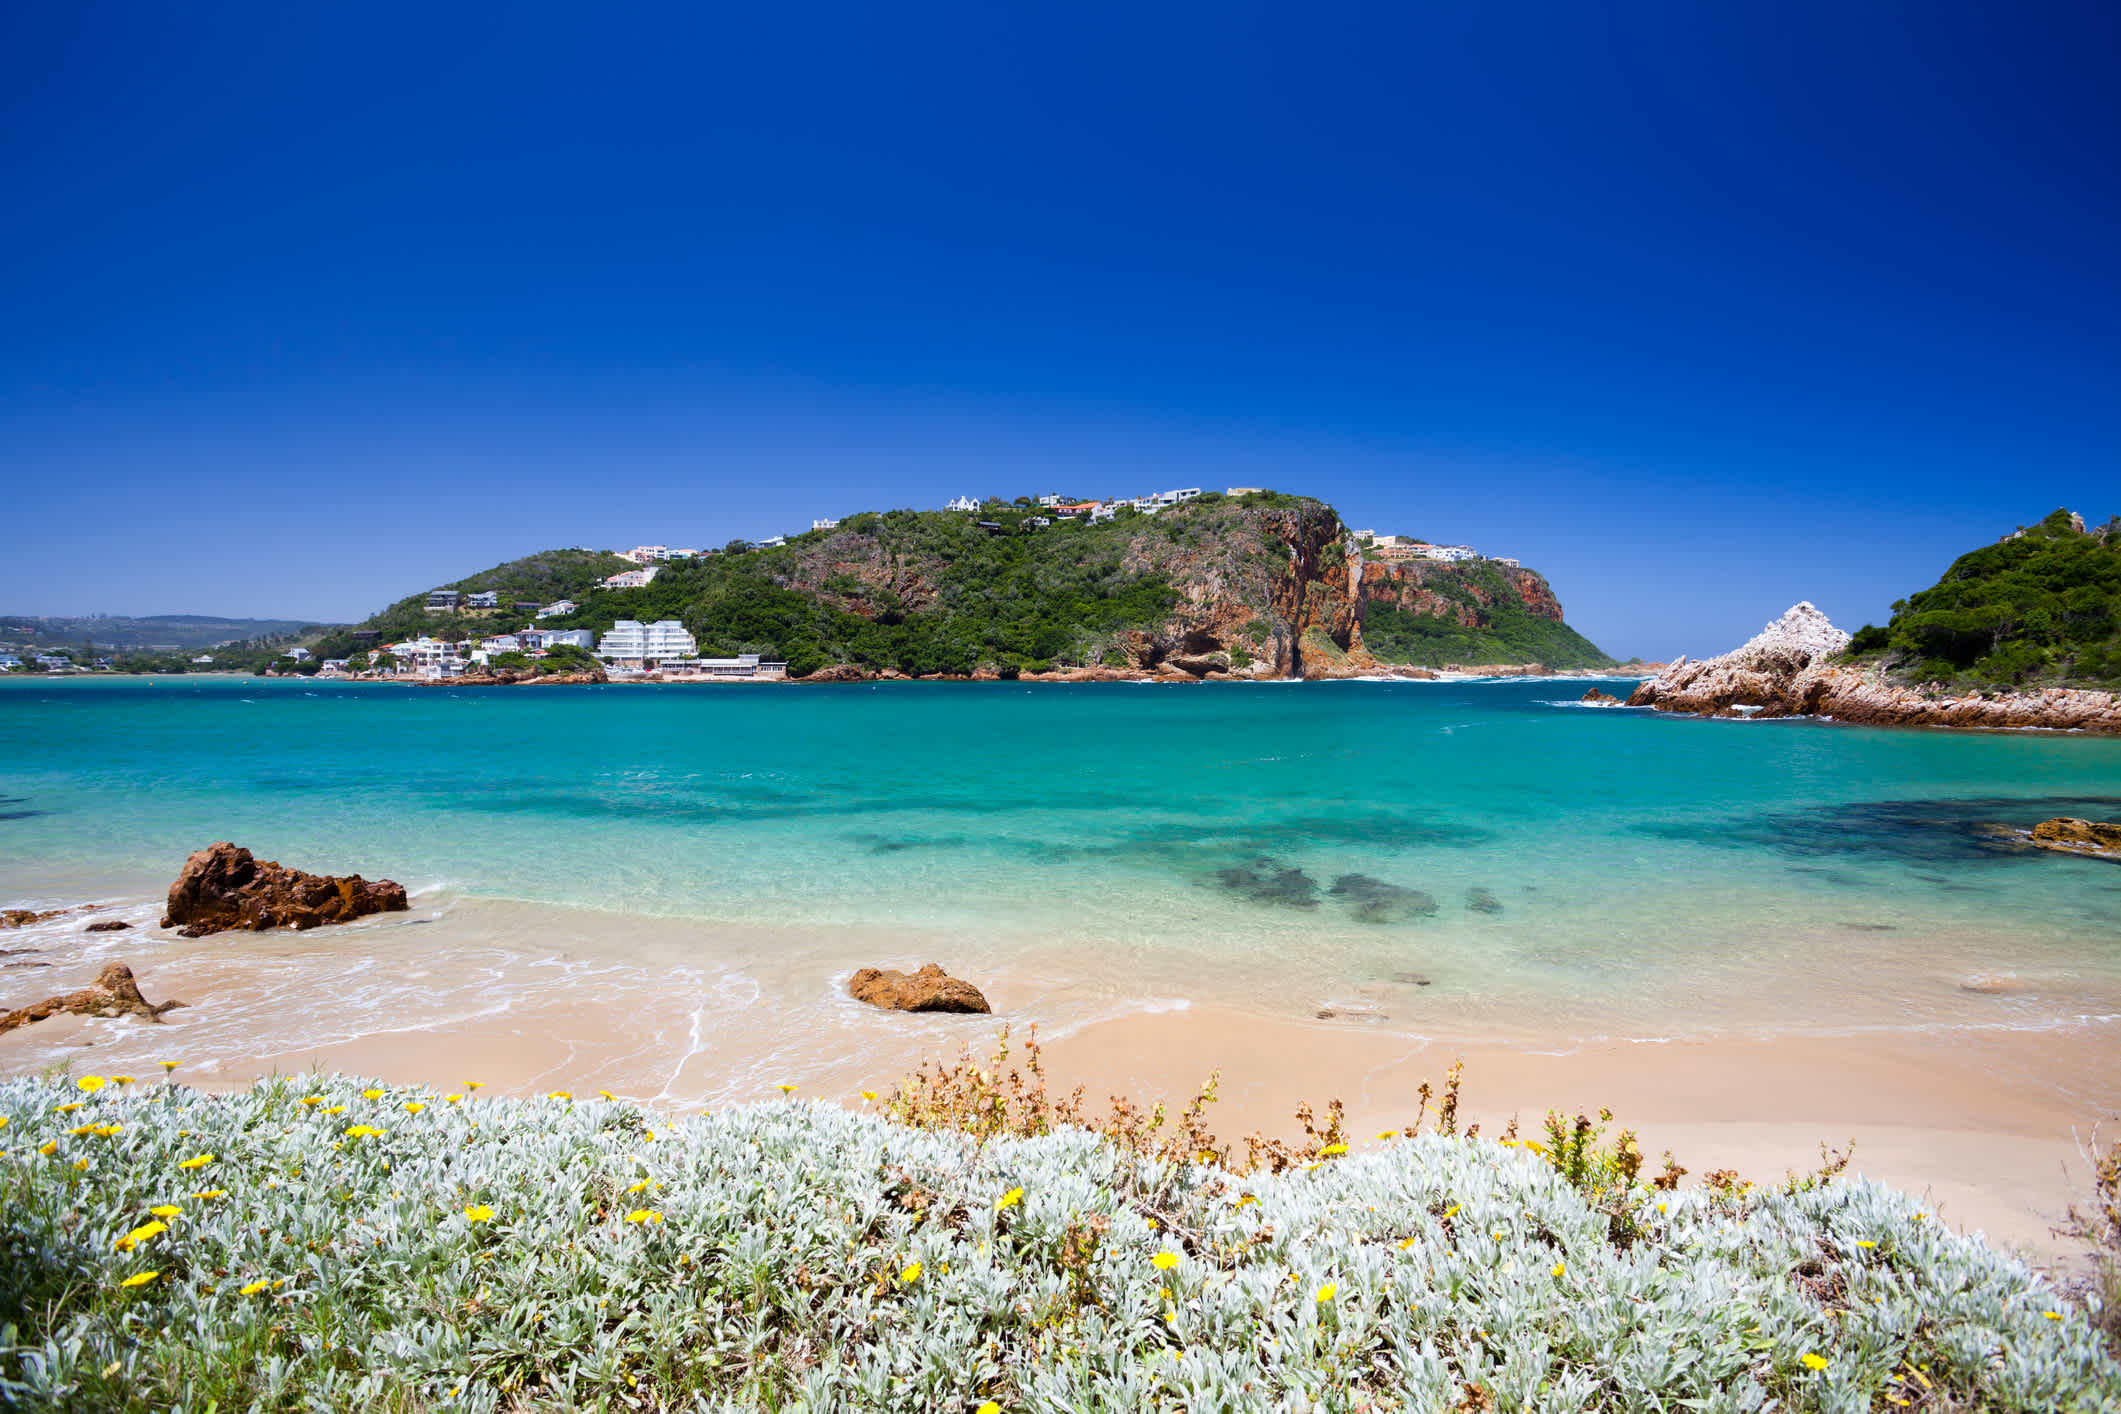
(1474, 859)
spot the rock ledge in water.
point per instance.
(115, 993)
(930, 989)
(2098, 838)
(223, 887)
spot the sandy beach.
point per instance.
(1985, 1122)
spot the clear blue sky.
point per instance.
(1701, 309)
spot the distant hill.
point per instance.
(156, 633)
(1260, 584)
(2039, 608)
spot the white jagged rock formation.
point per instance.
(1757, 676)
(1791, 668)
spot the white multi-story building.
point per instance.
(1104, 511)
(484, 599)
(667, 639)
(824, 525)
(646, 554)
(773, 542)
(632, 579)
(559, 607)
(1445, 552)
(502, 643)
(631, 643)
(536, 638)
(963, 503)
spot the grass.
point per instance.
(352, 1246)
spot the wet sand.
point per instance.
(1985, 1122)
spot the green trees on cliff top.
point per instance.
(2040, 608)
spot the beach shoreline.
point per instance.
(1985, 1122)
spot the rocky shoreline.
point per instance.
(1788, 670)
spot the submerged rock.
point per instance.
(930, 989)
(1601, 699)
(114, 993)
(108, 925)
(223, 887)
(1375, 901)
(1266, 882)
(1481, 901)
(2100, 839)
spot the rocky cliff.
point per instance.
(1252, 586)
(1795, 667)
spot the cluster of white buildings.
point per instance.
(1097, 510)
(1400, 547)
(629, 648)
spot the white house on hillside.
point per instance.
(633, 579)
(962, 503)
(554, 610)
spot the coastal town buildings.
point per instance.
(962, 503)
(443, 601)
(633, 579)
(424, 657)
(557, 608)
(486, 599)
(824, 525)
(743, 667)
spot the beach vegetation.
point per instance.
(487, 1256)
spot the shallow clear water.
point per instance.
(1474, 858)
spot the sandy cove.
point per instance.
(1984, 1121)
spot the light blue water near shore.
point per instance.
(1476, 858)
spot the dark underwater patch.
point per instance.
(1375, 901)
(1936, 832)
(1479, 900)
(1265, 882)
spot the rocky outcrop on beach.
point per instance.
(930, 989)
(1595, 698)
(108, 925)
(1759, 676)
(1793, 668)
(2100, 839)
(24, 917)
(114, 993)
(223, 887)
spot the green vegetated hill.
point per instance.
(1262, 584)
(2040, 608)
(1477, 612)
